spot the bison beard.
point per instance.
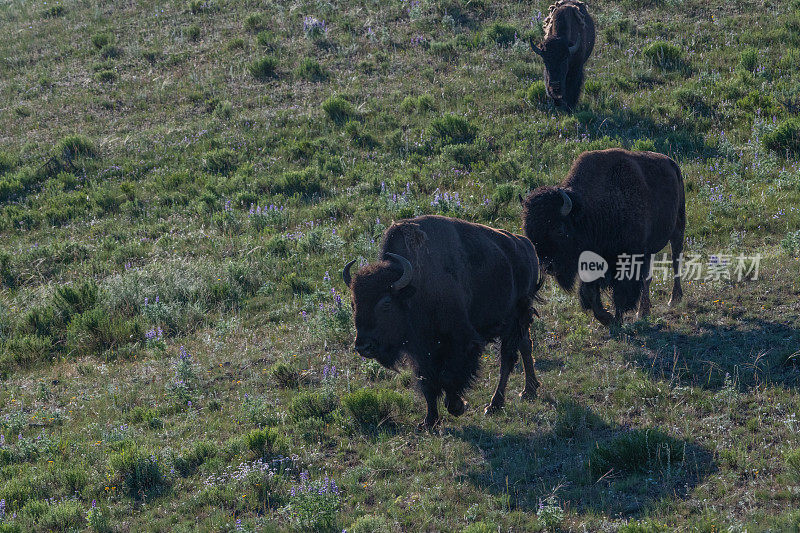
(613, 203)
(444, 289)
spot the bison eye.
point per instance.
(384, 305)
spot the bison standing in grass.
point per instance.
(623, 206)
(568, 43)
(442, 290)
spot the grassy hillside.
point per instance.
(181, 183)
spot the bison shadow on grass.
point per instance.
(589, 465)
(753, 352)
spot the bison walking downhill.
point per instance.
(616, 204)
(569, 35)
(443, 289)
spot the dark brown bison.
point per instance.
(623, 206)
(568, 43)
(441, 291)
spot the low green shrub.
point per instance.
(140, 473)
(664, 55)
(374, 407)
(190, 460)
(309, 69)
(638, 451)
(501, 33)
(339, 110)
(264, 68)
(313, 404)
(220, 161)
(453, 129)
(785, 138)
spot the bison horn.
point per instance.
(574, 48)
(567, 205)
(408, 270)
(346, 272)
(536, 49)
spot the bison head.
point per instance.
(379, 294)
(548, 220)
(556, 54)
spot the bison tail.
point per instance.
(536, 296)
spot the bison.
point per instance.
(568, 43)
(623, 206)
(442, 289)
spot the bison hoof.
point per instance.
(607, 319)
(529, 393)
(492, 409)
(676, 298)
(427, 425)
(456, 407)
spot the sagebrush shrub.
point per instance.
(99, 40)
(301, 182)
(264, 68)
(220, 161)
(313, 404)
(263, 442)
(748, 60)
(193, 32)
(374, 524)
(453, 129)
(72, 147)
(255, 22)
(339, 110)
(501, 33)
(25, 351)
(785, 138)
(285, 375)
(8, 162)
(190, 460)
(664, 55)
(637, 451)
(110, 51)
(536, 93)
(793, 465)
(266, 38)
(374, 407)
(140, 472)
(311, 70)
(55, 11)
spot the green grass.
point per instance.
(181, 184)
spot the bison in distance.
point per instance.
(441, 291)
(568, 42)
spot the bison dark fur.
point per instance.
(467, 285)
(568, 42)
(616, 202)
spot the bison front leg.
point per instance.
(590, 299)
(531, 381)
(508, 357)
(455, 403)
(431, 390)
